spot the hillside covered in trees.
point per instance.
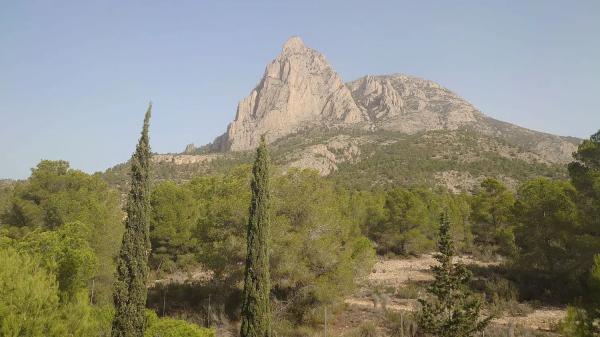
(61, 232)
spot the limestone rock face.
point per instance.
(409, 104)
(299, 89)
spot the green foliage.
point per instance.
(64, 253)
(256, 316)
(585, 176)
(387, 159)
(502, 297)
(31, 305)
(583, 320)
(169, 327)
(221, 230)
(29, 297)
(401, 324)
(593, 288)
(403, 221)
(172, 224)
(55, 195)
(317, 250)
(415, 160)
(546, 218)
(491, 208)
(405, 228)
(577, 323)
(452, 311)
(367, 329)
(132, 265)
(6, 187)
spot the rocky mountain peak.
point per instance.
(293, 44)
(299, 89)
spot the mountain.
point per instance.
(300, 90)
(376, 130)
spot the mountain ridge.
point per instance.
(300, 90)
(376, 130)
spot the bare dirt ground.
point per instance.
(366, 304)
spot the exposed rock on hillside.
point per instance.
(182, 159)
(326, 157)
(300, 91)
(410, 105)
(374, 131)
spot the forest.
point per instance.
(68, 241)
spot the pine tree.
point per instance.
(256, 321)
(452, 311)
(132, 265)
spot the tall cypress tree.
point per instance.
(256, 321)
(451, 311)
(132, 265)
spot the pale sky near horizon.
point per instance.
(76, 76)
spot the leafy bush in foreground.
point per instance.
(169, 327)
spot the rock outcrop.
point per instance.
(410, 104)
(300, 90)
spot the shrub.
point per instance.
(411, 290)
(367, 329)
(401, 324)
(169, 327)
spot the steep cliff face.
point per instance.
(299, 89)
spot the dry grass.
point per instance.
(397, 281)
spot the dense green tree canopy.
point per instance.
(546, 219)
(56, 195)
(491, 210)
(31, 303)
(317, 249)
(172, 225)
(64, 253)
(403, 221)
(405, 228)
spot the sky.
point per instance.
(76, 76)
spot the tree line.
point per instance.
(282, 247)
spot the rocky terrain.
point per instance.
(394, 285)
(300, 90)
(376, 130)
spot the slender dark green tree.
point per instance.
(132, 265)
(256, 321)
(451, 311)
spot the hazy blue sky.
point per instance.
(76, 76)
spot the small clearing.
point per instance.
(392, 274)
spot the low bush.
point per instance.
(169, 327)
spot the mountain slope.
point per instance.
(376, 130)
(453, 159)
(300, 90)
